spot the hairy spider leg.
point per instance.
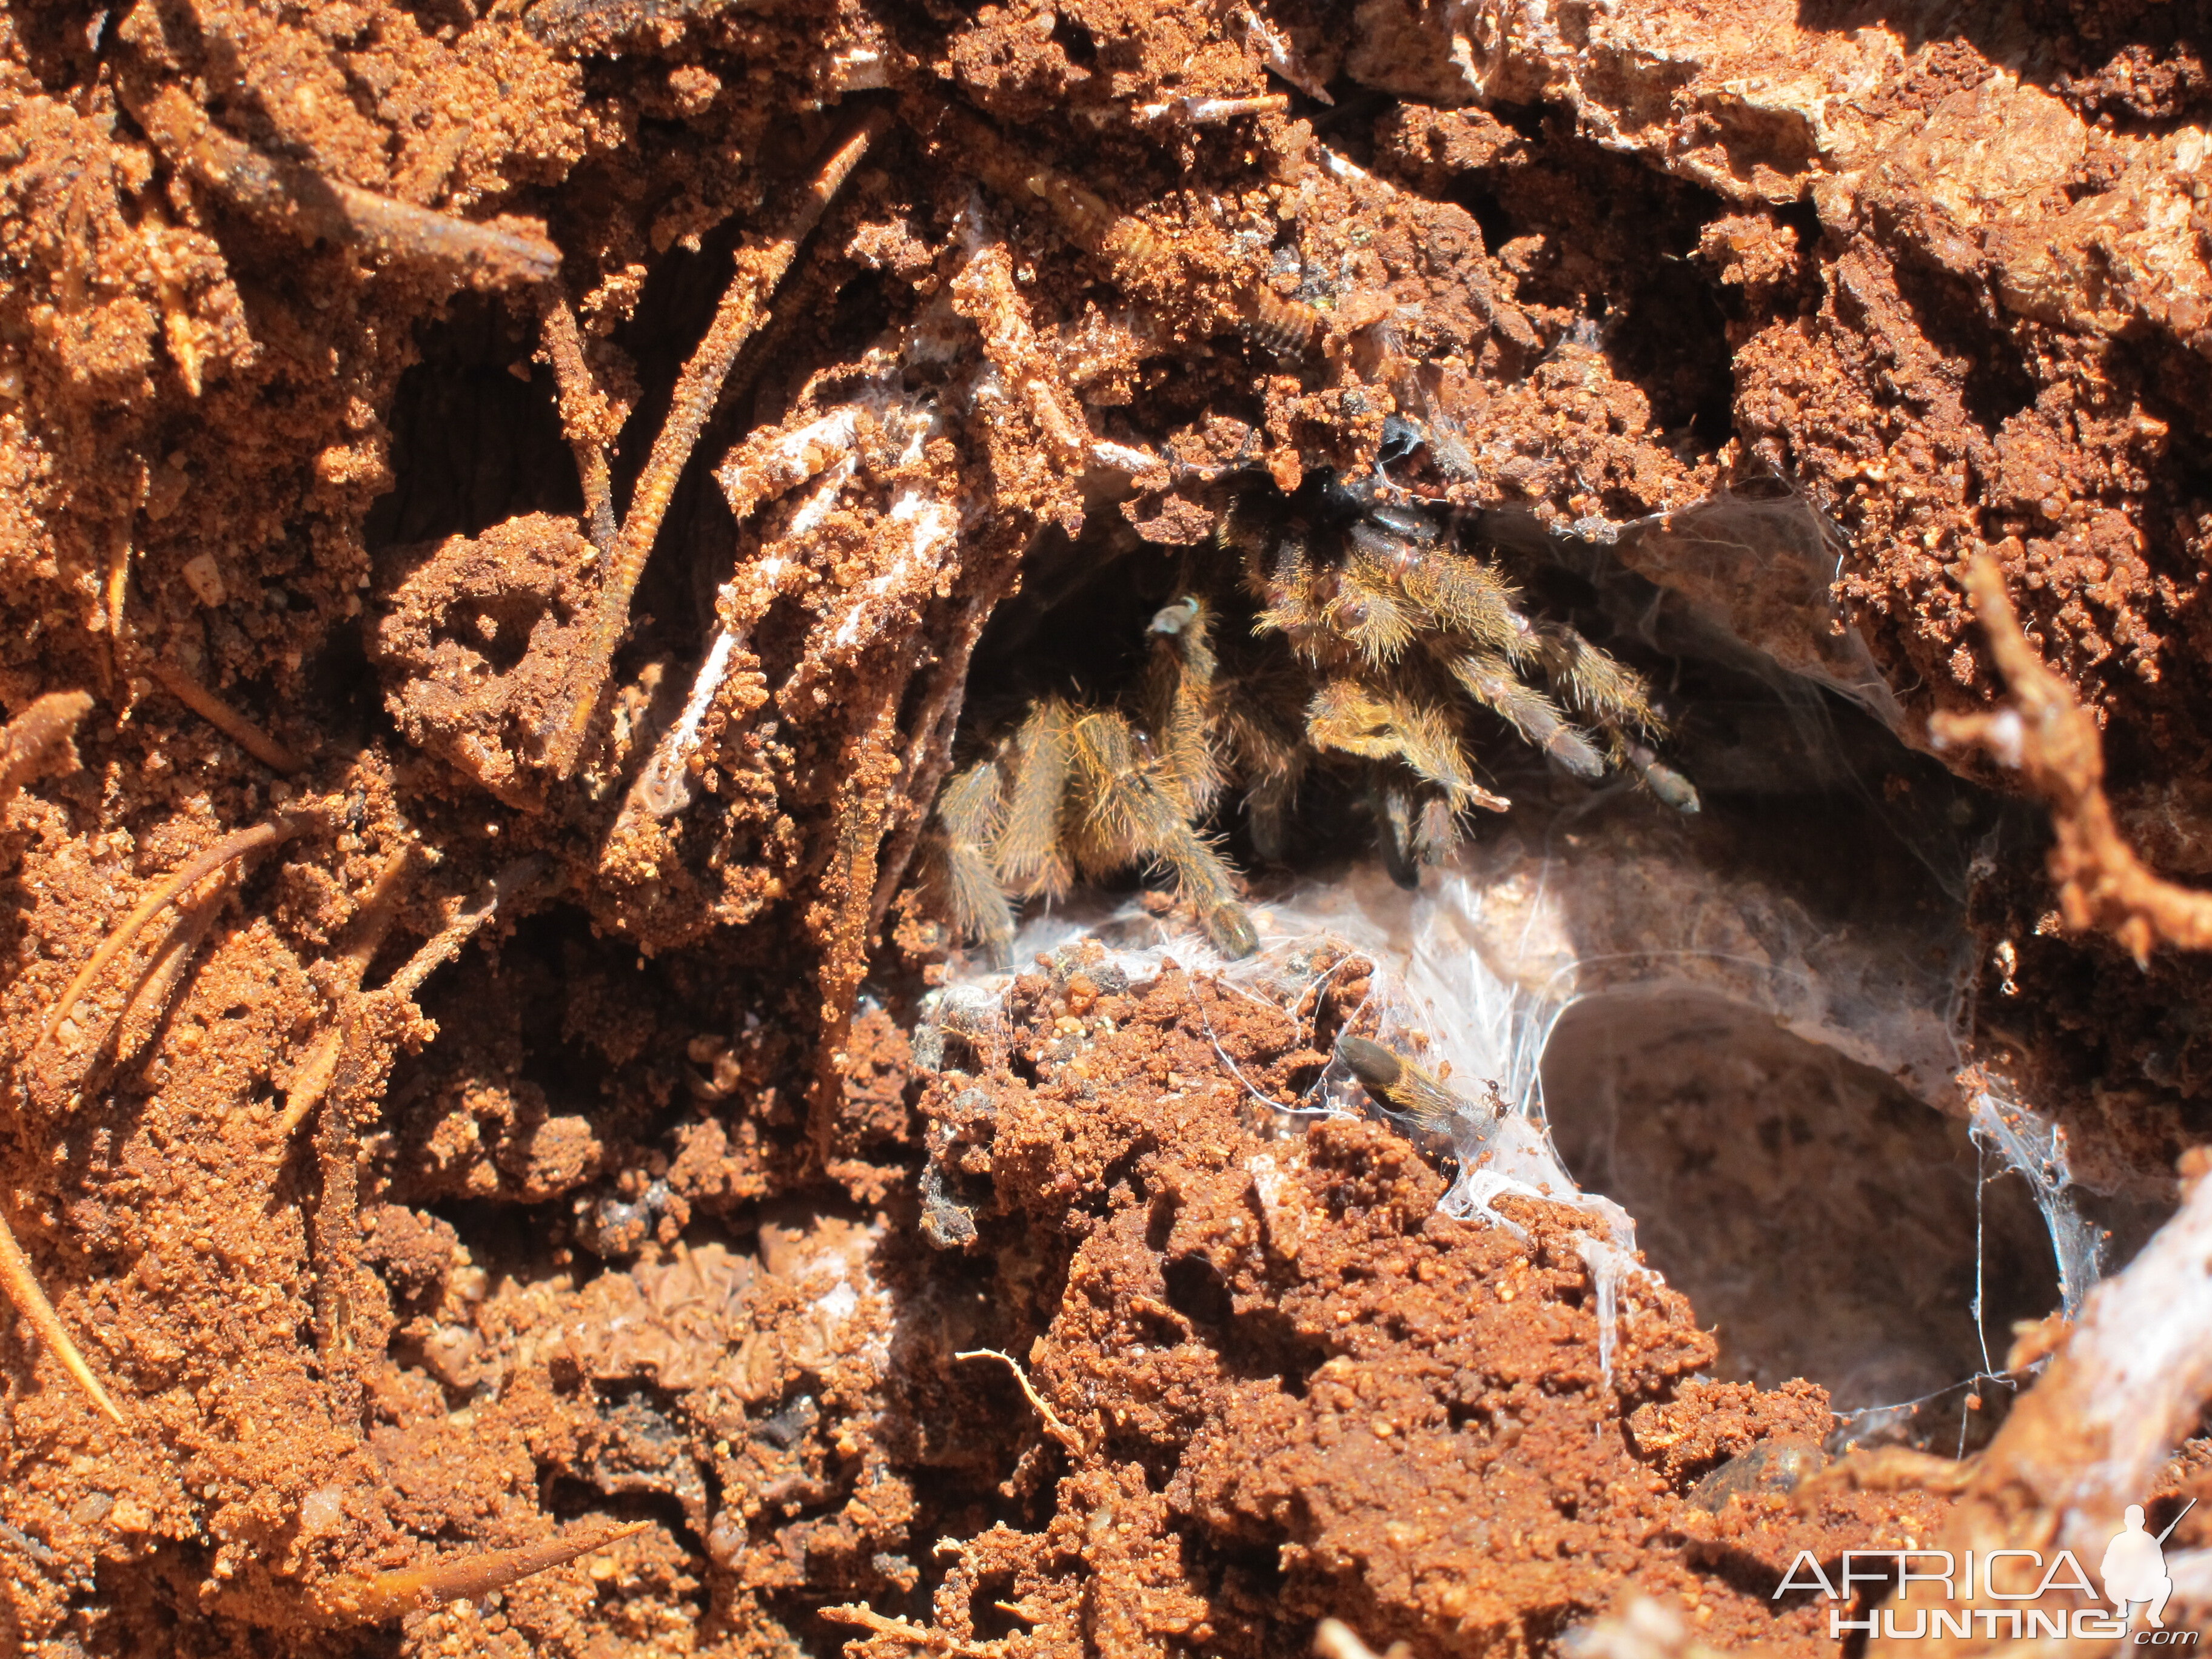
(971, 812)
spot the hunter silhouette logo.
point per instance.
(2133, 1570)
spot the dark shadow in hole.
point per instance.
(993, 1622)
(1197, 1292)
(1824, 1218)
(471, 444)
(1960, 317)
(1072, 38)
(1671, 339)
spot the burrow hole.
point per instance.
(1823, 1219)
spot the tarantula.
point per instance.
(1371, 634)
(1402, 635)
(1089, 791)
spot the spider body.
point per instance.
(1410, 639)
(1337, 624)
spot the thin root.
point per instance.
(926, 1638)
(445, 944)
(372, 1597)
(271, 833)
(164, 971)
(28, 743)
(312, 1078)
(22, 1288)
(1059, 1430)
(584, 414)
(295, 198)
(225, 718)
(2053, 743)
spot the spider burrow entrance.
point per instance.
(1347, 640)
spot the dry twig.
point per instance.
(2053, 742)
(274, 832)
(221, 716)
(28, 743)
(164, 972)
(292, 196)
(311, 1077)
(1059, 1430)
(14, 1270)
(927, 1638)
(584, 414)
(22, 1288)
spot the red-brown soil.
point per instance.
(643, 1206)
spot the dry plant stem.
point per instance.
(237, 846)
(295, 198)
(927, 1638)
(868, 769)
(369, 1033)
(443, 946)
(584, 415)
(28, 744)
(22, 1288)
(32, 738)
(2053, 743)
(2092, 1434)
(318, 1068)
(225, 718)
(374, 1597)
(744, 305)
(809, 293)
(118, 586)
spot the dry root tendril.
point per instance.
(290, 195)
(742, 309)
(2053, 743)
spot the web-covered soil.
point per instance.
(636, 1202)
